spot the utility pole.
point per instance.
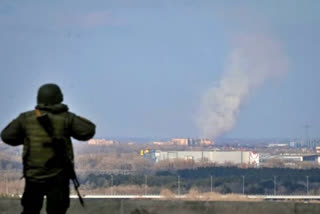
(111, 184)
(7, 188)
(211, 183)
(145, 184)
(307, 185)
(275, 185)
(243, 177)
(178, 184)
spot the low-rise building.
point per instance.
(186, 142)
(219, 157)
(180, 141)
(292, 158)
(102, 142)
(159, 143)
(277, 145)
(312, 158)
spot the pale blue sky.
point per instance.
(139, 68)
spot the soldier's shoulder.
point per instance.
(27, 113)
(24, 116)
(69, 114)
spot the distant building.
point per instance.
(287, 158)
(191, 142)
(277, 145)
(293, 158)
(206, 142)
(185, 142)
(159, 143)
(102, 142)
(311, 158)
(180, 141)
(293, 144)
(219, 157)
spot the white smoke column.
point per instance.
(253, 60)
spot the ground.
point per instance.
(111, 206)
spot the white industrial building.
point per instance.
(219, 157)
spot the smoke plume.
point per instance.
(253, 60)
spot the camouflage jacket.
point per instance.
(27, 131)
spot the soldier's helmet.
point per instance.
(49, 94)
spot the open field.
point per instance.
(145, 206)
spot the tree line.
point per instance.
(218, 179)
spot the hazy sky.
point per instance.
(140, 68)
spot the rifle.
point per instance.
(61, 158)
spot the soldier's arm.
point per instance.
(13, 134)
(81, 128)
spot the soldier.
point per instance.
(44, 173)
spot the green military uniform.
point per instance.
(37, 150)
